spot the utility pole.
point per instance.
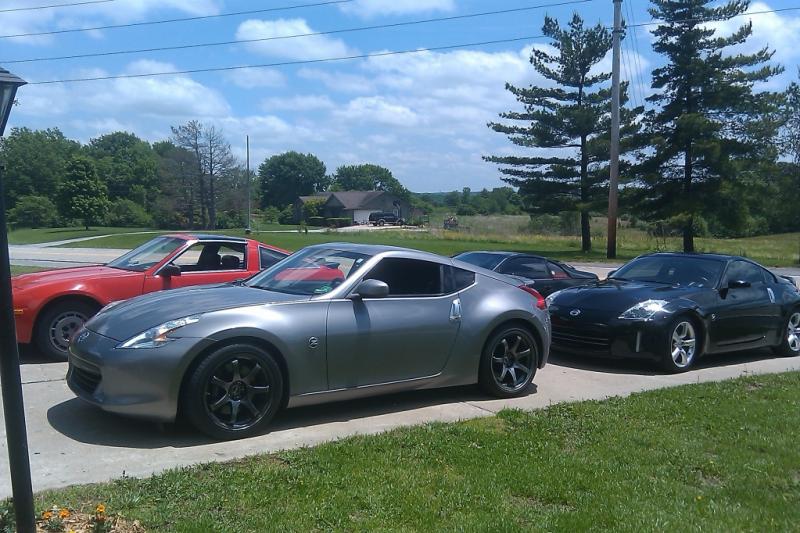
(613, 183)
(249, 186)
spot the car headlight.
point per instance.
(551, 297)
(158, 336)
(644, 310)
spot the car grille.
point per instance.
(86, 377)
(579, 338)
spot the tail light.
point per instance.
(540, 303)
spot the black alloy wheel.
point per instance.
(509, 362)
(234, 392)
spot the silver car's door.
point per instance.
(407, 335)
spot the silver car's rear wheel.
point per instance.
(234, 392)
(509, 362)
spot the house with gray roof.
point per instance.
(355, 205)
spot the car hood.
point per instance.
(131, 317)
(618, 295)
(67, 275)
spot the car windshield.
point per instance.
(310, 272)
(481, 259)
(147, 255)
(676, 270)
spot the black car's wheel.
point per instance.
(790, 344)
(234, 392)
(56, 326)
(381, 222)
(682, 345)
(508, 363)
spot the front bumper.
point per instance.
(143, 383)
(614, 338)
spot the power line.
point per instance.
(287, 63)
(637, 55)
(716, 19)
(281, 37)
(626, 67)
(183, 19)
(53, 6)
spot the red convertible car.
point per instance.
(50, 306)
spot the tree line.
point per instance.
(711, 152)
(189, 181)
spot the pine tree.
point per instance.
(567, 125)
(81, 194)
(710, 125)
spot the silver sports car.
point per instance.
(330, 322)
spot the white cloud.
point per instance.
(378, 109)
(253, 78)
(372, 8)
(339, 81)
(309, 102)
(311, 47)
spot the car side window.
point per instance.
(744, 271)
(556, 271)
(457, 279)
(269, 257)
(408, 277)
(212, 256)
(527, 267)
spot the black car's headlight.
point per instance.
(644, 310)
(158, 336)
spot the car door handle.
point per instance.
(455, 310)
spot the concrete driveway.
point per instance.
(71, 442)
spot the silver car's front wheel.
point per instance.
(509, 362)
(234, 392)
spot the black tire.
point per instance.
(232, 377)
(510, 350)
(680, 353)
(790, 336)
(381, 222)
(56, 326)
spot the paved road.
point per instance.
(71, 442)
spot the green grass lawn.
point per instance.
(39, 235)
(24, 269)
(715, 457)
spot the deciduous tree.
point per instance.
(82, 195)
(286, 176)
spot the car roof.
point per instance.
(698, 255)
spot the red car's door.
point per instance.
(202, 263)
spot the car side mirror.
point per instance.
(170, 270)
(370, 288)
(611, 273)
(738, 284)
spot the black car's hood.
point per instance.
(136, 315)
(618, 295)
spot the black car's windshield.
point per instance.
(481, 259)
(147, 255)
(684, 271)
(309, 272)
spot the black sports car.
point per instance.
(546, 275)
(673, 307)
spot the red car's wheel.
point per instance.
(58, 324)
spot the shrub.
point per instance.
(338, 222)
(33, 212)
(165, 216)
(569, 223)
(545, 225)
(287, 215)
(126, 213)
(316, 221)
(271, 215)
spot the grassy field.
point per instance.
(24, 269)
(714, 457)
(772, 250)
(39, 235)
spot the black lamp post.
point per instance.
(10, 380)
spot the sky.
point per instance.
(422, 115)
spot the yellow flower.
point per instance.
(100, 508)
(63, 513)
(47, 515)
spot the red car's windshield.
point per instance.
(147, 255)
(310, 272)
